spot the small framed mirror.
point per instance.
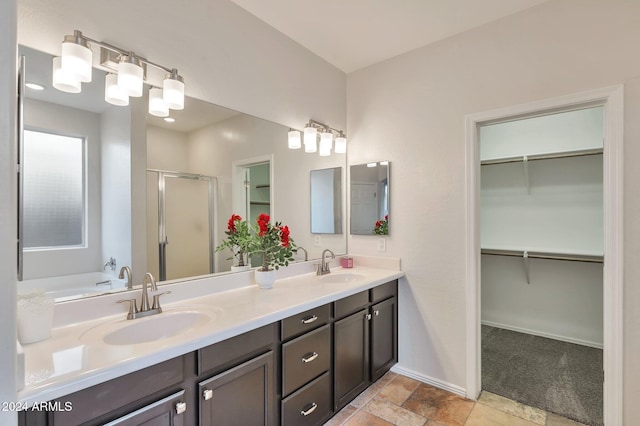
(370, 191)
(326, 201)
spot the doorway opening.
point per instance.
(610, 100)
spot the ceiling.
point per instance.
(353, 34)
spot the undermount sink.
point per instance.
(153, 328)
(343, 277)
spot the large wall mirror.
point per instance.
(369, 188)
(134, 190)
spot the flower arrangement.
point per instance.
(273, 242)
(382, 226)
(239, 239)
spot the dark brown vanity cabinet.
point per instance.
(306, 368)
(365, 340)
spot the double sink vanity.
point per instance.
(292, 355)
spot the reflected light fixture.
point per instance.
(157, 106)
(113, 93)
(311, 139)
(169, 119)
(127, 74)
(326, 143)
(294, 139)
(34, 86)
(62, 80)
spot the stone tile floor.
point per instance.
(399, 400)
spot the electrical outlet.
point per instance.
(382, 244)
(316, 241)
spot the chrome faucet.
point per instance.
(145, 309)
(323, 268)
(126, 270)
(306, 255)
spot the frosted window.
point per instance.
(54, 208)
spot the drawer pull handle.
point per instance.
(309, 320)
(181, 407)
(309, 357)
(207, 394)
(310, 410)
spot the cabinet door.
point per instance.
(166, 412)
(351, 359)
(240, 396)
(384, 337)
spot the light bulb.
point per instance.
(341, 144)
(326, 141)
(310, 143)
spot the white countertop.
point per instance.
(71, 360)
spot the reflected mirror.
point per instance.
(369, 187)
(326, 201)
(152, 195)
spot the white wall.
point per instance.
(70, 122)
(8, 55)
(417, 102)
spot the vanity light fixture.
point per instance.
(129, 70)
(311, 139)
(294, 139)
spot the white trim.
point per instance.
(450, 387)
(612, 100)
(567, 339)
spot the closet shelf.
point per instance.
(546, 156)
(572, 257)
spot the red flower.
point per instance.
(378, 223)
(263, 224)
(386, 217)
(231, 224)
(284, 236)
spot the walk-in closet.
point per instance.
(542, 261)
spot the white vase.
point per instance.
(265, 279)
(240, 268)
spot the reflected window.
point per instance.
(53, 196)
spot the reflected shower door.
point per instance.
(184, 223)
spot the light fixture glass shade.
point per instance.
(310, 143)
(341, 144)
(62, 80)
(326, 141)
(76, 57)
(113, 93)
(294, 139)
(157, 106)
(173, 90)
(130, 75)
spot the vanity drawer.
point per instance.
(305, 321)
(384, 291)
(310, 405)
(236, 349)
(305, 358)
(348, 305)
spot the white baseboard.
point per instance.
(430, 380)
(543, 334)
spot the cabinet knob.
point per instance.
(376, 313)
(181, 407)
(368, 317)
(207, 394)
(309, 320)
(309, 410)
(309, 357)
